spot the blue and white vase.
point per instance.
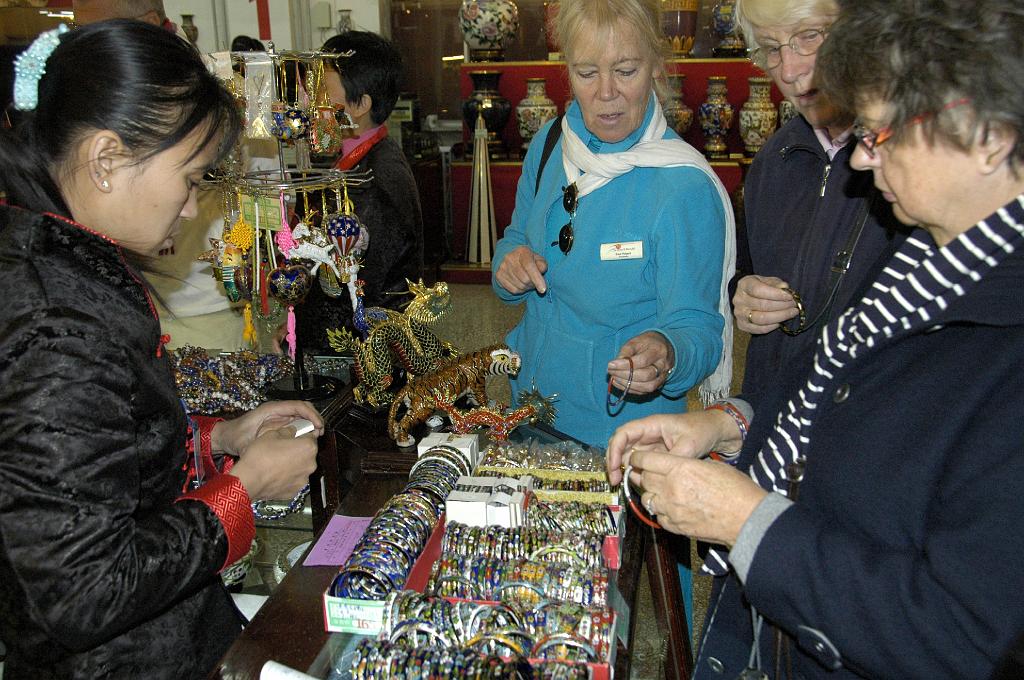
(715, 115)
(731, 43)
(487, 27)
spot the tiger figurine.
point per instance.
(440, 389)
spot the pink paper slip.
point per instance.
(337, 541)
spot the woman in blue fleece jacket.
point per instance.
(641, 278)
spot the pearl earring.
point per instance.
(105, 184)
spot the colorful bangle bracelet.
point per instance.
(742, 424)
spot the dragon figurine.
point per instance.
(440, 389)
(397, 339)
(500, 421)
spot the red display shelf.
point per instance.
(512, 86)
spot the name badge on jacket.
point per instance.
(627, 250)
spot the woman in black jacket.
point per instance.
(108, 557)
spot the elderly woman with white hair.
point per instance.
(814, 232)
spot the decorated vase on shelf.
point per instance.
(715, 114)
(487, 27)
(488, 102)
(535, 109)
(758, 116)
(730, 38)
(787, 111)
(550, 39)
(678, 115)
(679, 24)
(189, 28)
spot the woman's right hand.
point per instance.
(522, 270)
(760, 304)
(686, 435)
(276, 464)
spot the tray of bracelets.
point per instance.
(473, 592)
(562, 470)
(427, 636)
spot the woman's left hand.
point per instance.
(704, 499)
(652, 357)
(232, 436)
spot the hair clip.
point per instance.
(30, 65)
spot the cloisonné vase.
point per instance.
(730, 39)
(486, 100)
(758, 116)
(535, 109)
(715, 114)
(679, 24)
(550, 39)
(678, 115)
(487, 27)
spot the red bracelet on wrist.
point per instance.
(741, 423)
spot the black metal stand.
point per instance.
(303, 384)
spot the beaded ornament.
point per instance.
(30, 65)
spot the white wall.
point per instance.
(242, 19)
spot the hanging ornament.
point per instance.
(359, 312)
(290, 121)
(284, 239)
(344, 226)
(329, 124)
(249, 331)
(259, 76)
(329, 278)
(242, 234)
(312, 243)
(290, 283)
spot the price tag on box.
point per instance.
(347, 615)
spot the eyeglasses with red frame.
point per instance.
(872, 139)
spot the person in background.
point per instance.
(366, 85)
(870, 538)
(618, 249)
(109, 555)
(151, 11)
(245, 43)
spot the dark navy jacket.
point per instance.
(800, 208)
(901, 558)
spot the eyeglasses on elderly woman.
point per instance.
(805, 43)
(872, 139)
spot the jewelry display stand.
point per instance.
(283, 184)
(302, 384)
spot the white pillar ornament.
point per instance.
(483, 233)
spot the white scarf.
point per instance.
(654, 152)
